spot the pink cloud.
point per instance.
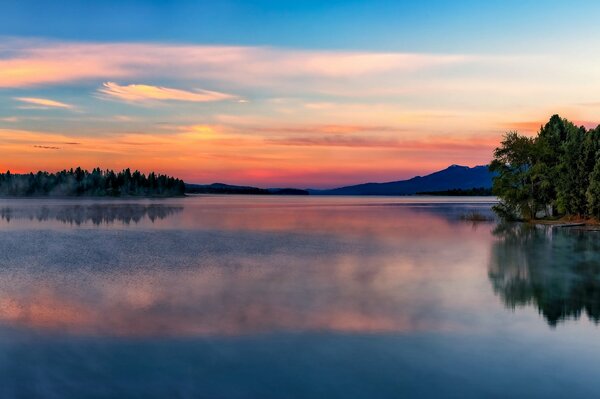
(430, 144)
(44, 102)
(142, 92)
(29, 63)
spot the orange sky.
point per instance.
(269, 116)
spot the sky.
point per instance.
(287, 93)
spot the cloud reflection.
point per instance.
(209, 278)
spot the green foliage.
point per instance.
(514, 182)
(593, 192)
(571, 177)
(97, 183)
(551, 174)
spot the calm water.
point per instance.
(292, 297)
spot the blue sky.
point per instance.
(449, 26)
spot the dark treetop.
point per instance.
(554, 174)
(97, 183)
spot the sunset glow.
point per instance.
(277, 113)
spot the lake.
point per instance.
(293, 297)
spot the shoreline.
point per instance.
(565, 222)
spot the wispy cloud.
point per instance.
(143, 93)
(46, 147)
(429, 144)
(532, 127)
(323, 129)
(311, 111)
(207, 153)
(43, 102)
(30, 63)
(336, 141)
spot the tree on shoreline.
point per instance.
(556, 173)
(97, 183)
(514, 182)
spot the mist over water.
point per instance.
(243, 297)
(95, 213)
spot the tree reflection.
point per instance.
(557, 270)
(95, 213)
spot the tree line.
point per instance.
(556, 173)
(97, 183)
(459, 192)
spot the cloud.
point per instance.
(207, 153)
(532, 127)
(44, 103)
(142, 92)
(26, 63)
(336, 141)
(429, 144)
(46, 147)
(324, 129)
(29, 63)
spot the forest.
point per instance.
(554, 174)
(97, 183)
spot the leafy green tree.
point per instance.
(593, 192)
(555, 173)
(571, 176)
(512, 163)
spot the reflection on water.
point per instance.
(257, 297)
(235, 271)
(96, 213)
(556, 270)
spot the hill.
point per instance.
(452, 178)
(220, 188)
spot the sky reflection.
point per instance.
(313, 266)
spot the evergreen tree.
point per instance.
(512, 163)
(555, 173)
(80, 182)
(593, 192)
(571, 176)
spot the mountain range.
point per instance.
(455, 177)
(221, 188)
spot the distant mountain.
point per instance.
(451, 178)
(288, 191)
(220, 188)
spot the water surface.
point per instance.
(292, 297)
